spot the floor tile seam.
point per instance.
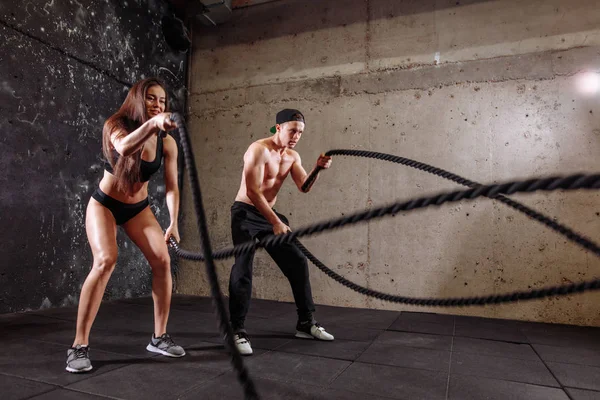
(572, 363)
(92, 393)
(552, 373)
(312, 355)
(54, 385)
(397, 366)
(588, 390)
(499, 356)
(449, 367)
(41, 393)
(513, 381)
(509, 380)
(205, 382)
(323, 387)
(63, 386)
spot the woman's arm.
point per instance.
(129, 144)
(172, 186)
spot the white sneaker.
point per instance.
(312, 331)
(242, 343)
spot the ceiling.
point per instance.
(181, 5)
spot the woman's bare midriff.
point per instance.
(108, 185)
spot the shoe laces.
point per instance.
(241, 336)
(318, 326)
(80, 352)
(166, 338)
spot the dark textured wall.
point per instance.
(65, 66)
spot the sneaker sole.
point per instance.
(304, 335)
(164, 353)
(78, 371)
(245, 352)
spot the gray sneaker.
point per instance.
(78, 359)
(164, 345)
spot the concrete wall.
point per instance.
(66, 67)
(486, 89)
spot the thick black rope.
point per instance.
(572, 182)
(562, 229)
(567, 183)
(458, 301)
(218, 303)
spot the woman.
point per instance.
(134, 144)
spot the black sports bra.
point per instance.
(147, 168)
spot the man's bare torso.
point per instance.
(277, 166)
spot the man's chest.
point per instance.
(278, 166)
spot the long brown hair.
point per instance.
(130, 116)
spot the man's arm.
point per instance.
(299, 175)
(254, 169)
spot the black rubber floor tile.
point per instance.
(65, 313)
(65, 394)
(506, 334)
(191, 322)
(476, 388)
(355, 317)
(46, 362)
(154, 379)
(564, 336)
(125, 318)
(510, 369)
(409, 357)
(569, 355)
(227, 387)
(15, 326)
(576, 376)
(463, 320)
(62, 332)
(580, 394)
(133, 344)
(207, 355)
(13, 388)
(408, 325)
(260, 308)
(353, 333)
(258, 339)
(494, 348)
(427, 317)
(282, 323)
(393, 382)
(339, 348)
(296, 367)
(418, 340)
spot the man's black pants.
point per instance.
(247, 224)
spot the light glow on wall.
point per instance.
(589, 83)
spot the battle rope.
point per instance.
(572, 182)
(567, 183)
(226, 330)
(563, 230)
(492, 191)
(458, 301)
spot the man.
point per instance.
(267, 163)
